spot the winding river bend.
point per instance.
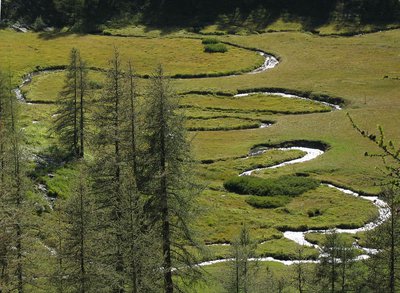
(299, 237)
(310, 154)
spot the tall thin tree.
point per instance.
(70, 122)
(109, 179)
(167, 161)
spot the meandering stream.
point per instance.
(299, 236)
(310, 154)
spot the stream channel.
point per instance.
(310, 154)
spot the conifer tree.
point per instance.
(70, 124)
(383, 267)
(243, 269)
(79, 254)
(5, 214)
(167, 161)
(109, 186)
(13, 187)
(136, 237)
(336, 260)
(129, 241)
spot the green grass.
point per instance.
(283, 24)
(268, 202)
(215, 173)
(59, 182)
(222, 213)
(285, 249)
(217, 276)
(46, 87)
(36, 122)
(279, 248)
(215, 48)
(221, 124)
(319, 238)
(254, 103)
(23, 53)
(353, 68)
(284, 185)
(207, 41)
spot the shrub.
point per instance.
(207, 41)
(314, 212)
(215, 48)
(284, 185)
(94, 85)
(39, 24)
(267, 202)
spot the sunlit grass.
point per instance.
(23, 53)
(254, 103)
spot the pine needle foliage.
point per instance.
(70, 124)
(168, 162)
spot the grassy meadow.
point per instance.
(364, 71)
(23, 53)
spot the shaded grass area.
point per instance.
(251, 25)
(287, 24)
(284, 185)
(218, 276)
(268, 202)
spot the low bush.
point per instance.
(207, 41)
(284, 185)
(315, 212)
(267, 202)
(39, 24)
(215, 48)
(94, 85)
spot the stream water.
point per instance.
(288, 96)
(310, 154)
(269, 63)
(299, 236)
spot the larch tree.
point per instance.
(136, 235)
(167, 164)
(384, 266)
(5, 214)
(108, 172)
(70, 124)
(337, 258)
(80, 223)
(13, 185)
(128, 244)
(242, 268)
